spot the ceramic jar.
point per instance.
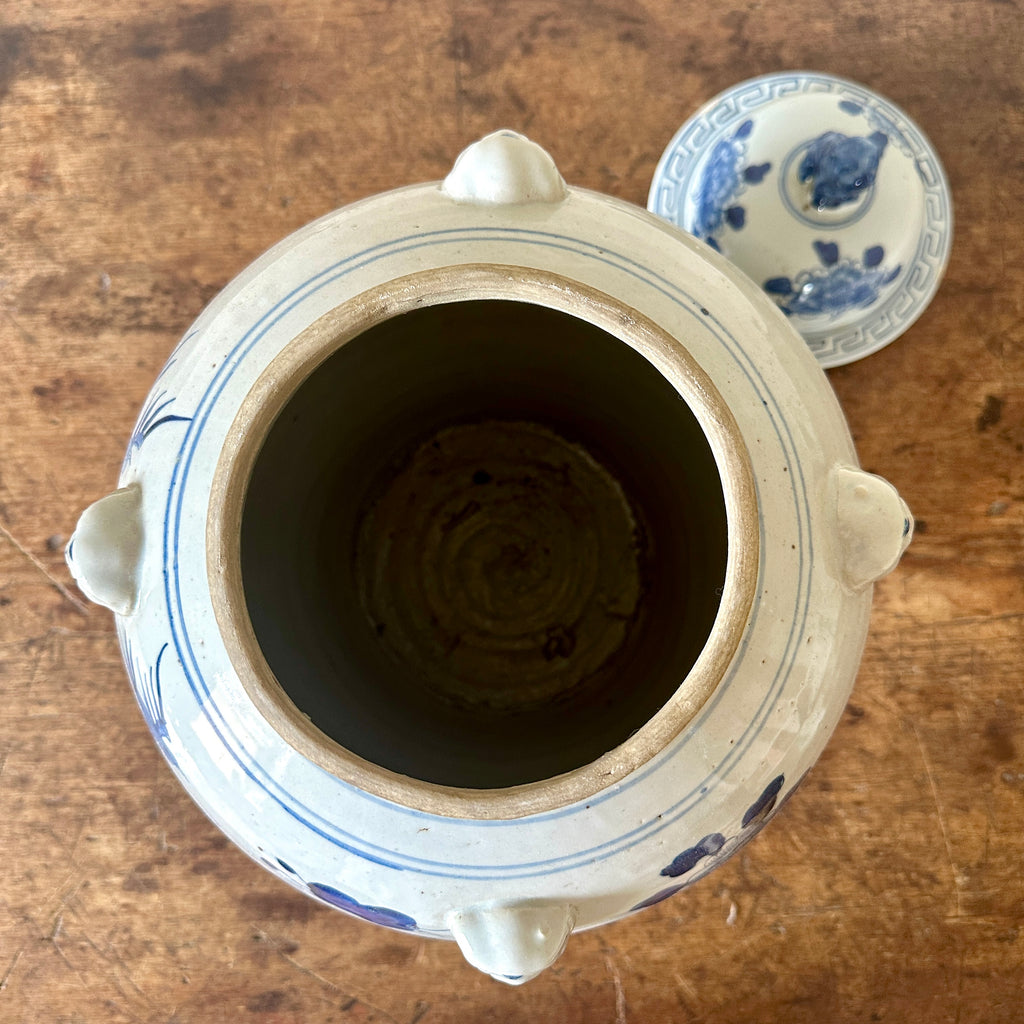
(490, 559)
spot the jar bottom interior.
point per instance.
(483, 544)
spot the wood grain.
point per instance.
(147, 153)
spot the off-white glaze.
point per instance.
(507, 886)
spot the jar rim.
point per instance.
(278, 384)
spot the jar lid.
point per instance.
(824, 193)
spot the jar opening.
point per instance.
(480, 545)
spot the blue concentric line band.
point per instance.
(329, 830)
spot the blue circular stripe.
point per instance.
(328, 830)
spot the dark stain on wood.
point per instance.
(207, 867)
(393, 954)
(61, 392)
(271, 906)
(991, 413)
(266, 1002)
(13, 55)
(79, 299)
(195, 33)
(246, 79)
(201, 31)
(999, 740)
(140, 882)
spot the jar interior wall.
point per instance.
(483, 543)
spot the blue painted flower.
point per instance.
(712, 845)
(377, 915)
(689, 859)
(762, 807)
(722, 180)
(841, 167)
(836, 286)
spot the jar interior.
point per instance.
(483, 543)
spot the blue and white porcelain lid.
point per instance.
(824, 193)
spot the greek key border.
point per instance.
(681, 159)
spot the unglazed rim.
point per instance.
(279, 382)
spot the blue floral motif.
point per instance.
(836, 286)
(658, 897)
(146, 680)
(828, 252)
(754, 174)
(148, 691)
(758, 812)
(689, 859)
(841, 167)
(173, 357)
(722, 181)
(376, 915)
(151, 417)
(712, 845)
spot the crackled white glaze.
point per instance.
(506, 872)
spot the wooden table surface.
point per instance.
(148, 152)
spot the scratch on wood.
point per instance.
(67, 898)
(620, 995)
(687, 995)
(885, 706)
(960, 984)
(982, 920)
(10, 970)
(39, 638)
(119, 960)
(53, 937)
(54, 582)
(40, 654)
(309, 972)
(113, 957)
(957, 878)
(26, 335)
(123, 1009)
